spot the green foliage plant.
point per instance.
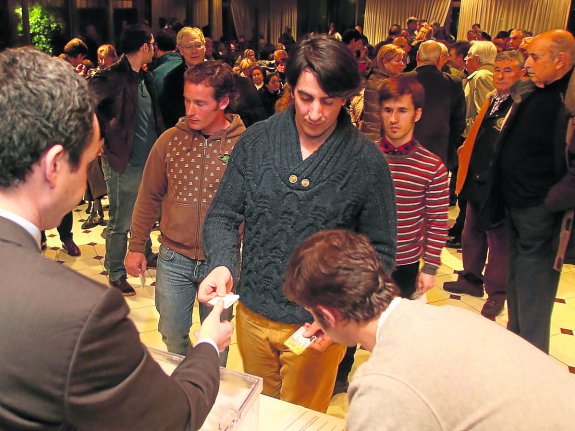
(43, 26)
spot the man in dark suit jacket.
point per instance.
(443, 121)
(71, 358)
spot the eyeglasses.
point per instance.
(192, 45)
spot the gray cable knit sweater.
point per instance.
(283, 199)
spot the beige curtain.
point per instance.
(495, 15)
(263, 7)
(282, 13)
(242, 15)
(167, 9)
(200, 12)
(380, 14)
(217, 25)
(273, 16)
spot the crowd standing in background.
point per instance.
(378, 139)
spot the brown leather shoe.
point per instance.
(493, 307)
(123, 286)
(462, 286)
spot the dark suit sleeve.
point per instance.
(457, 121)
(561, 196)
(114, 384)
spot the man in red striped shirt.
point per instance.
(421, 187)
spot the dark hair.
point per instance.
(340, 270)
(166, 39)
(349, 35)
(485, 36)
(397, 86)
(75, 47)
(269, 76)
(215, 74)
(461, 47)
(43, 102)
(331, 61)
(133, 37)
(395, 30)
(502, 35)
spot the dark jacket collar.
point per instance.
(427, 68)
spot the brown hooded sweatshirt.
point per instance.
(182, 174)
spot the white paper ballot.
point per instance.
(229, 300)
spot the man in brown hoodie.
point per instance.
(182, 175)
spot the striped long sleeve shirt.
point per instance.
(422, 196)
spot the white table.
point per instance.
(276, 415)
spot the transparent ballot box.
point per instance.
(237, 404)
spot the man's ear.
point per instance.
(561, 59)
(330, 315)
(418, 114)
(52, 163)
(224, 102)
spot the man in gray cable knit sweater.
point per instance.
(297, 173)
(431, 368)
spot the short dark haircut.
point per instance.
(476, 25)
(331, 61)
(75, 47)
(461, 47)
(268, 77)
(166, 39)
(395, 30)
(349, 35)
(340, 270)
(216, 74)
(133, 37)
(398, 86)
(44, 102)
(502, 35)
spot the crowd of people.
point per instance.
(312, 178)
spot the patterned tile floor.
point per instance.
(145, 316)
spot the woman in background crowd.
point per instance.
(270, 92)
(389, 62)
(257, 76)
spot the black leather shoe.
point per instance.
(461, 286)
(454, 242)
(123, 286)
(94, 220)
(340, 387)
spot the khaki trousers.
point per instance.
(307, 379)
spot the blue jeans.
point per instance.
(122, 194)
(531, 282)
(177, 280)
